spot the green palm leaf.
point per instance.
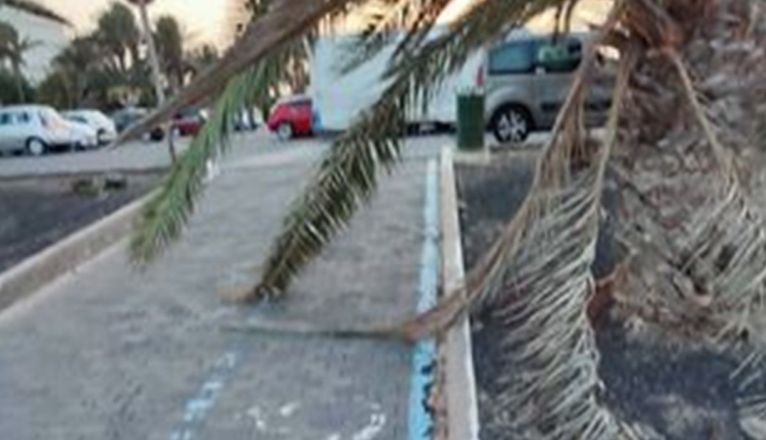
(168, 211)
(348, 174)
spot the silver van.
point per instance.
(526, 80)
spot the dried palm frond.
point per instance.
(542, 290)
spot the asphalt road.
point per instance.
(108, 352)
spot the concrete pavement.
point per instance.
(111, 353)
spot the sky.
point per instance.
(202, 20)
(207, 21)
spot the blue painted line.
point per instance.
(197, 408)
(424, 353)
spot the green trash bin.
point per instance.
(470, 121)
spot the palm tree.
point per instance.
(13, 49)
(153, 61)
(118, 33)
(169, 43)
(686, 118)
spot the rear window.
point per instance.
(6, 119)
(514, 57)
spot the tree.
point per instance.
(118, 33)
(13, 49)
(201, 58)
(170, 49)
(153, 62)
(686, 120)
(12, 89)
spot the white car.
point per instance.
(38, 129)
(106, 131)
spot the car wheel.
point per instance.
(511, 124)
(36, 147)
(285, 131)
(100, 137)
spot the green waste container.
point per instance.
(470, 121)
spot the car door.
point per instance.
(509, 72)
(556, 62)
(301, 116)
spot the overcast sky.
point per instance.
(203, 20)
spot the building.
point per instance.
(51, 38)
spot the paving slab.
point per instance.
(108, 352)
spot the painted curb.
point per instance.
(460, 381)
(67, 254)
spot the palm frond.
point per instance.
(348, 174)
(552, 389)
(35, 8)
(285, 21)
(167, 213)
(387, 20)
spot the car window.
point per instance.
(77, 118)
(6, 119)
(559, 56)
(514, 57)
(23, 118)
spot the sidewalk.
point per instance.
(109, 353)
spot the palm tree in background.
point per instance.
(170, 48)
(13, 49)
(684, 132)
(154, 62)
(118, 33)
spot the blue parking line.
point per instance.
(424, 353)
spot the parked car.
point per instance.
(38, 129)
(526, 80)
(105, 128)
(292, 117)
(126, 117)
(188, 121)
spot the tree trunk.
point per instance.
(698, 243)
(19, 83)
(156, 75)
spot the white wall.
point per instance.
(53, 37)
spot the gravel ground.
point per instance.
(677, 387)
(37, 212)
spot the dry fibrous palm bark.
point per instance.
(691, 120)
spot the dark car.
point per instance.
(188, 121)
(126, 117)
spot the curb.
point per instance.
(459, 380)
(36, 271)
(82, 173)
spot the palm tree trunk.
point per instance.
(690, 125)
(155, 66)
(19, 83)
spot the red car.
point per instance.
(291, 117)
(188, 122)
